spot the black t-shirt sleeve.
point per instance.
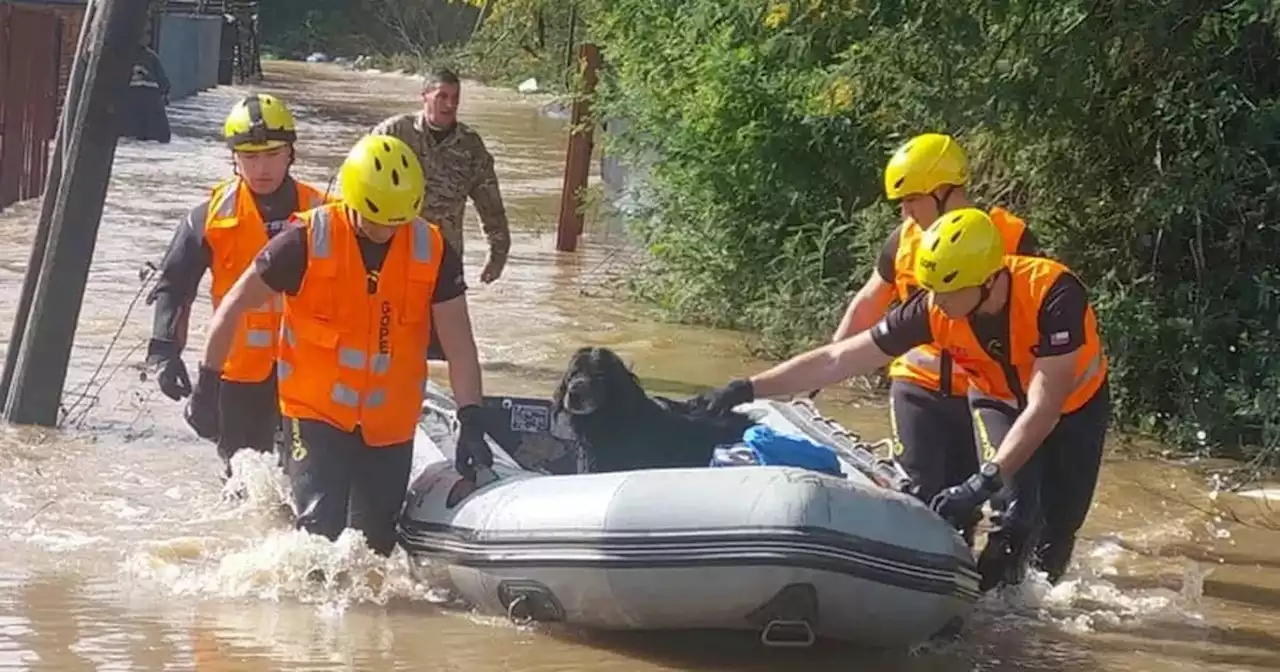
(283, 262)
(887, 264)
(1028, 246)
(904, 327)
(1061, 318)
(450, 284)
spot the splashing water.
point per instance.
(282, 563)
(1086, 601)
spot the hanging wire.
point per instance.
(88, 395)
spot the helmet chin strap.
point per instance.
(984, 293)
(940, 202)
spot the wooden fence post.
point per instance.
(578, 156)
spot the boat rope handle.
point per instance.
(519, 603)
(780, 634)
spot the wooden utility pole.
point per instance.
(53, 178)
(90, 148)
(578, 157)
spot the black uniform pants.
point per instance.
(435, 353)
(1040, 510)
(932, 437)
(339, 481)
(248, 417)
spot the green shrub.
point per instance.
(1140, 139)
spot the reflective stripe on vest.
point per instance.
(321, 246)
(234, 248)
(1082, 379)
(1030, 279)
(254, 338)
(225, 239)
(362, 379)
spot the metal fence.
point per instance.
(189, 48)
(30, 51)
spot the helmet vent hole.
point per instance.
(956, 236)
(395, 177)
(404, 161)
(373, 207)
(386, 147)
(956, 219)
(898, 184)
(946, 280)
(934, 246)
(377, 164)
(417, 205)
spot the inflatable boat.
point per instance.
(791, 554)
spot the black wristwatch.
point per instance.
(990, 472)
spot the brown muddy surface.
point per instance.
(117, 551)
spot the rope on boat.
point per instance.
(870, 458)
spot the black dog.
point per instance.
(623, 428)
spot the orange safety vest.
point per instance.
(1030, 279)
(236, 233)
(926, 365)
(354, 359)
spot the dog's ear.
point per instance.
(622, 384)
(557, 397)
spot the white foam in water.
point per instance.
(280, 562)
(58, 541)
(1085, 601)
(258, 478)
(1265, 494)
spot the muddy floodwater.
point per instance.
(117, 551)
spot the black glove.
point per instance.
(166, 361)
(958, 503)
(721, 401)
(472, 452)
(202, 409)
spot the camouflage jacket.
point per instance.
(457, 167)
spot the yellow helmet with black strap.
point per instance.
(258, 123)
(962, 249)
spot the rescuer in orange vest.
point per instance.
(928, 408)
(223, 234)
(363, 281)
(1023, 330)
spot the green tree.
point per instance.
(1139, 138)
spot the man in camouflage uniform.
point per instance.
(457, 166)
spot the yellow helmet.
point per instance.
(961, 249)
(923, 164)
(258, 123)
(382, 180)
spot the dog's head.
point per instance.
(597, 379)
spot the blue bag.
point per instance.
(764, 446)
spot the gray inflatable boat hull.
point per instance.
(786, 552)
